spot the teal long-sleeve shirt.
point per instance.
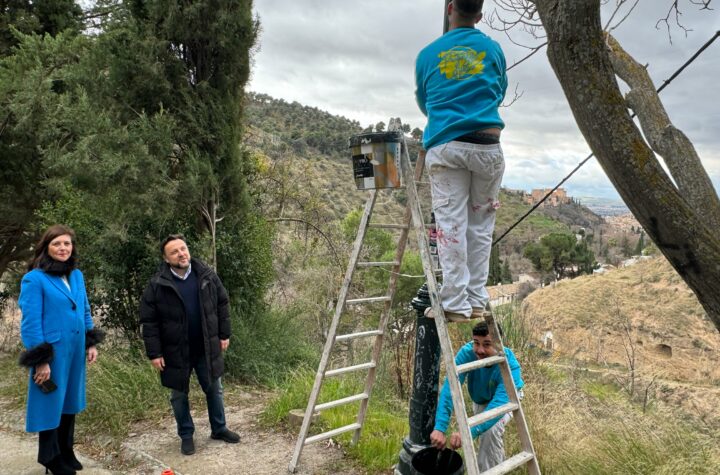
(485, 386)
(460, 81)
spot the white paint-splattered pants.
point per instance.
(465, 180)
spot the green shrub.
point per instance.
(265, 346)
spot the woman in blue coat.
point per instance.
(57, 330)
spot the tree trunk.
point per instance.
(579, 56)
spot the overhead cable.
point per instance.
(547, 195)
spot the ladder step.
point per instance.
(332, 433)
(348, 369)
(388, 226)
(510, 464)
(377, 264)
(384, 298)
(340, 402)
(492, 414)
(483, 363)
(396, 226)
(352, 336)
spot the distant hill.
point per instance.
(306, 129)
(286, 131)
(670, 331)
(604, 206)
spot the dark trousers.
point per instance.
(213, 394)
(53, 442)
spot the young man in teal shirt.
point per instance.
(461, 82)
(487, 391)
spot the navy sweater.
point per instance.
(190, 294)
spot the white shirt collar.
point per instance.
(182, 277)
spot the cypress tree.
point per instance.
(495, 269)
(640, 244)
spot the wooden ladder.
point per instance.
(413, 217)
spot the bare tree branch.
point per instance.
(609, 28)
(516, 97)
(534, 50)
(665, 139)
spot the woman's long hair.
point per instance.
(42, 260)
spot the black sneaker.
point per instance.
(187, 446)
(227, 436)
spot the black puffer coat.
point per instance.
(165, 325)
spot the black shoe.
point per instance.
(57, 467)
(227, 436)
(70, 460)
(187, 446)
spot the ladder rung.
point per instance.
(340, 402)
(348, 369)
(377, 264)
(332, 433)
(510, 464)
(492, 414)
(483, 363)
(352, 336)
(384, 298)
(388, 225)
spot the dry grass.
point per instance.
(581, 425)
(667, 326)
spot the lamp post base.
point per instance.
(404, 465)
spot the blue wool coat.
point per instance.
(54, 314)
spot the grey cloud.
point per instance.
(357, 58)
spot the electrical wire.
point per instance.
(567, 177)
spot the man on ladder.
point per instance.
(487, 390)
(461, 82)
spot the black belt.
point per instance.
(482, 138)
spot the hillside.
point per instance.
(645, 310)
(313, 144)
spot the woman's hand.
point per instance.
(42, 373)
(92, 354)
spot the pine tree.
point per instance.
(26, 100)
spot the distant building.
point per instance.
(558, 197)
(502, 294)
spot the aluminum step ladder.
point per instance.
(412, 218)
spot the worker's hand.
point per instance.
(455, 441)
(158, 363)
(92, 354)
(42, 373)
(224, 344)
(437, 439)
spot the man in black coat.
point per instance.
(185, 320)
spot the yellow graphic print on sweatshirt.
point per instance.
(460, 63)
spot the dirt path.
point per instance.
(150, 450)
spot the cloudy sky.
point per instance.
(356, 59)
